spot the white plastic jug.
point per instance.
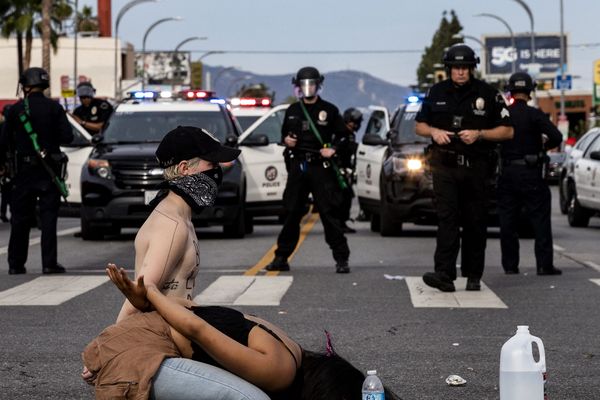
(521, 377)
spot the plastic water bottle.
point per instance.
(521, 377)
(372, 388)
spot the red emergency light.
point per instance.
(253, 102)
(197, 94)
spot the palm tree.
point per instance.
(86, 21)
(46, 8)
(14, 21)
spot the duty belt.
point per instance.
(452, 158)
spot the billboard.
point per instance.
(500, 55)
(163, 67)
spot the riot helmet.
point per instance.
(308, 80)
(353, 115)
(85, 89)
(460, 54)
(35, 77)
(520, 82)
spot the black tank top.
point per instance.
(233, 324)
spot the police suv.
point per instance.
(122, 172)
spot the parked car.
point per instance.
(78, 152)
(122, 172)
(554, 166)
(566, 184)
(585, 187)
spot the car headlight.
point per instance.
(414, 164)
(99, 168)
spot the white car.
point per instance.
(585, 197)
(248, 110)
(370, 157)
(78, 152)
(265, 170)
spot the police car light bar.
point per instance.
(413, 99)
(143, 94)
(251, 102)
(197, 94)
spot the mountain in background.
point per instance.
(342, 88)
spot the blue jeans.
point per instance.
(184, 379)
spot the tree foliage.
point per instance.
(442, 39)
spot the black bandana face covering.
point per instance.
(198, 190)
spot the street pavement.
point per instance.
(415, 338)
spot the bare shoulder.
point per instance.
(160, 226)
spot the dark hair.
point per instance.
(331, 377)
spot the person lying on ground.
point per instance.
(249, 347)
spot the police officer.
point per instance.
(5, 180)
(347, 161)
(93, 113)
(464, 117)
(32, 183)
(311, 130)
(521, 183)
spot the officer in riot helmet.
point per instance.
(35, 128)
(464, 117)
(521, 184)
(93, 113)
(353, 118)
(313, 131)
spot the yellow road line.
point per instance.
(307, 225)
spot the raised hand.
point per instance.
(135, 292)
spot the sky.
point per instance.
(349, 25)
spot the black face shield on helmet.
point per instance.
(308, 80)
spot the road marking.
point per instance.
(596, 281)
(245, 291)
(308, 223)
(37, 240)
(50, 290)
(558, 248)
(423, 296)
(592, 265)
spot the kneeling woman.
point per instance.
(125, 356)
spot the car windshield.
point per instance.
(144, 127)
(246, 121)
(404, 127)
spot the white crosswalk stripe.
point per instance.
(423, 296)
(596, 281)
(245, 291)
(50, 290)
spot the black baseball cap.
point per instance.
(187, 142)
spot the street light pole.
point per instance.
(75, 51)
(512, 36)
(208, 53)
(150, 28)
(122, 12)
(176, 51)
(562, 64)
(530, 14)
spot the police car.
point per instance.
(247, 110)
(583, 182)
(122, 172)
(262, 157)
(78, 152)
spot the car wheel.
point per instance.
(387, 225)
(375, 223)
(89, 231)
(577, 215)
(563, 196)
(237, 228)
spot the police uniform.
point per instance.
(98, 111)
(521, 184)
(459, 171)
(308, 173)
(32, 183)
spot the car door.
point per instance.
(78, 152)
(369, 157)
(266, 175)
(586, 170)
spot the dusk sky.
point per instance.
(402, 27)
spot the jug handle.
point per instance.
(542, 361)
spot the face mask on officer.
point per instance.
(308, 87)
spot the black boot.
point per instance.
(439, 282)
(278, 264)
(473, 284)
(549, 271)
(341, 267)
(57, 269)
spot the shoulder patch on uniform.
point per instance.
(504, 113)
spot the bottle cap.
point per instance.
(522, 328)
(372, 372)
